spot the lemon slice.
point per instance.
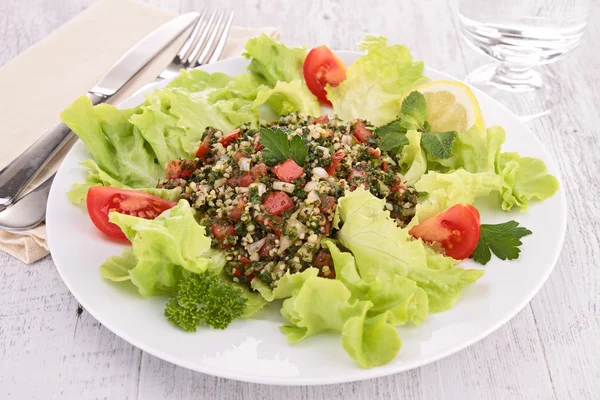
(451, 106)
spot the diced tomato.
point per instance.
(267, 246)
(204, 147)
(336, 160)
(326, 229)
(323, 119)
(258, 171)
(277, 203)
(232, 182)
(180, 168)
(245, 180)
(222, 231)
(236, 213)
(324, 259)
(258, 146)
(244, 261)
(457, 229)
(384, 166)
(375, 153)
(231, 137)
(361, 133)
(288, 170)
(395, 188)
(273, 222)
(328, 204)
(102, 200)
(250, 276)
(323, 67)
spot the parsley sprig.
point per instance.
(278, 147)
(501, 239)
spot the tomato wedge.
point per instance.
(457, 229)
(102, 200)
(322, 67)
(336, 160)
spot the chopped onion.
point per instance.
(319, 172)
(253, 248)
(244, 164)
(240, 189)
(312, 197)
(262, 188)
(204, 188)
(310, 186)
(294, 225)
(325, 151)
(284, 186)
(284, 243)
(220, 182)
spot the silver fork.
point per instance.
(203, 45)
(205, 50)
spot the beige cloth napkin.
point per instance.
(38, 84)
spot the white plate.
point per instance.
(255, 350)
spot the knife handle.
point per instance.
(16, 175)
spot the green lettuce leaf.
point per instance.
(412, 158)
(399, 296)
(272, 61)
(322, 305)
(446, 190)
(473, 151)
(383, 251)
(162, 249)
(524, 179)
(117, 146)
(376, 83)
(286, 98)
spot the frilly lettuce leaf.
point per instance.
(325, 305)
(272, 61)
(383, 251)
(286, 98)
(446, 190)
(162, 249)
(524, 179)
(412, 158)
(376, 83)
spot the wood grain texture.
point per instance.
(51, 348)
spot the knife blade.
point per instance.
(16, 175)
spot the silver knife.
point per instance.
(16, 175)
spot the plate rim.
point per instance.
(365, 373)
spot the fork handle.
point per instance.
(16, 175)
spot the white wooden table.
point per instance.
(51, 348)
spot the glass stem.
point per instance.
(519, 78)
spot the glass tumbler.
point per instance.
(522, 35)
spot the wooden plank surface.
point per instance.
(51, 348)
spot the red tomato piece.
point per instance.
(258, 146)
(361, 133)
(102, 200)
(457, 229)
(245, 180)
(288, 170)
(277, 203)
(336, 160)
(375, 153)
(222, 231)
(384, 166)
(231, 137)
(236, 213)
(267, 246)
(204, 147)
(323, 67)
(273, 222)
(258, 171)
(180, 168)
(244, 261)
(323, 119)
(328, 204)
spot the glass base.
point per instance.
(526, 92)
